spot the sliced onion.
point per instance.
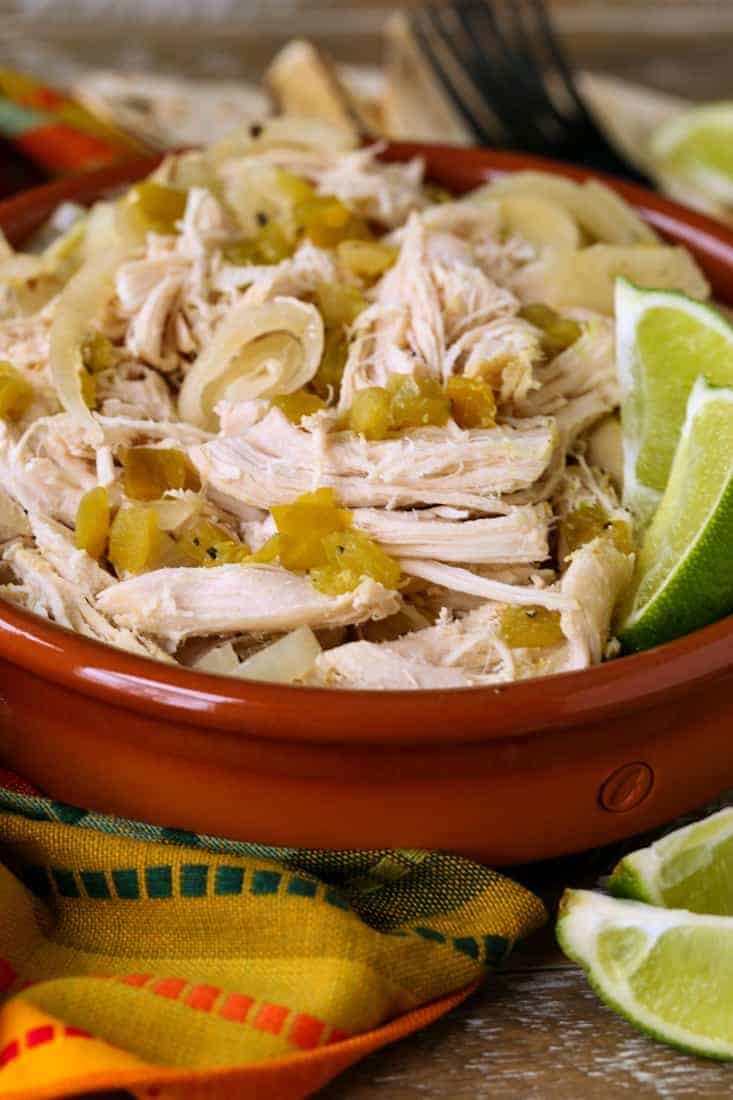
(545, 224)
(596, 208)
(19, 267)
(284, 131)
(256, 351)
(175, 511)
(108, 225)
(586, 279)
(79, 304)
(605, 448)
(284, 661)
(254, 189)
(222, 661)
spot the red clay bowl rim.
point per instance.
(528, 707)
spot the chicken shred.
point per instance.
(174, 604)
(273, 461)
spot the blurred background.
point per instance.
(674, 45)
(167, 73)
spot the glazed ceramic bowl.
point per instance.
(506, 774)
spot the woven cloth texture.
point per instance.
(179, 965)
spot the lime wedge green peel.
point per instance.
(684, 569)
(692, 868)
(697, 146)
(668, 971)
(664, 340)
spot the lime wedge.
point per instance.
(664, 340)
(691, 868)
(684, 570)
(668, 971)
(697, 146)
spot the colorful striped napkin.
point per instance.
(53, 132)
(177, 965)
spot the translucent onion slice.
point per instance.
(545, 224)
(175, 511)
(605, 448)
(254, 190)
(222, 661)
(109, 224)
(288, 131)
(586, 279)
(79, 304)
(257, 351)
(596, 208)
(286, 660)
(19, 267)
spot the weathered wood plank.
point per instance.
(532, 1035)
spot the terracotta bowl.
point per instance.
(505, 774)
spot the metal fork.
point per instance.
(502, 66)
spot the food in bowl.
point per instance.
(286, 412)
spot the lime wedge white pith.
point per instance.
(668, 971)
(692, 868)
(697, 146)
(684, 569)
(664, 340)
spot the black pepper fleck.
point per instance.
(255, 130)
(261, 218)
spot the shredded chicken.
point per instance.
(520, 535)
(13, 520)
(396, 453)
(595, 580)
(457, 653)
(42, 590)
(438, 313)
(174, 604)
(135, 391)
(580, 385)
(386, 193)
(273, 461)
(75, 566)
(473, 584)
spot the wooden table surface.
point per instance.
(536, 1031)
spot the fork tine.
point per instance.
(514, 51)
(525, 49)
(468, 81)
(421, 24)
(546, 35)
(517, 89)
(503, 69)
(479, 69)
(592, 146)
(484, 62)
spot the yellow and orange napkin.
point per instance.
(177, 965)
